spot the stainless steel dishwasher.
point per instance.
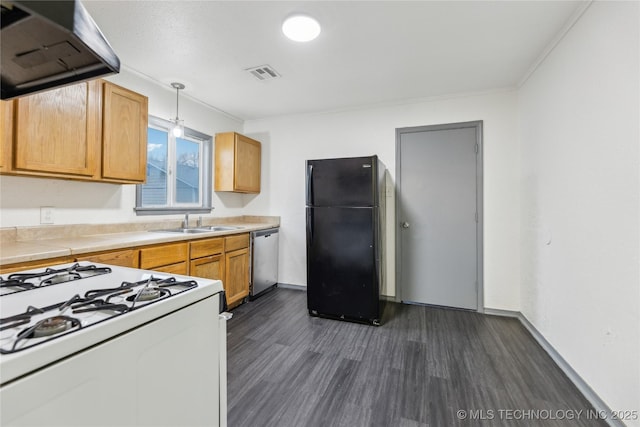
(264, 261)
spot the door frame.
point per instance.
(478, 126)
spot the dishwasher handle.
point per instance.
(264, 233)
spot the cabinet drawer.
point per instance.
(163, 255)
(206, 247)
(124, 258)
(238, 241)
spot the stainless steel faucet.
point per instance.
(186, 220)
(199, 223)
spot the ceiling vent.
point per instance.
(264, 72)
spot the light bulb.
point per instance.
(301, 28)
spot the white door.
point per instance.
(439, 212)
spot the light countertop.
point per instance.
(23, 244)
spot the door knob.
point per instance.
(405, 224)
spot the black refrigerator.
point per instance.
(345, 231)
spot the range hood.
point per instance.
(47, 44)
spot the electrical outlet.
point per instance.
(46, 215)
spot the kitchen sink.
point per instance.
(184, 230)
(222, 228)
(197, 230)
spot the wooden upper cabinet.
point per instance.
(6, 134)
(237, 163)
(57, 132)
(91, 131)
(124, 135)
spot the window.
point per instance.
(178, 171)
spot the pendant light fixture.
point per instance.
(178, 125)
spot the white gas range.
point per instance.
(92, 344)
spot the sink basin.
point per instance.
(221, 228)
(184, 230)
(208, 229)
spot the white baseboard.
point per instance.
(584, 388)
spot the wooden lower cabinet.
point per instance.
(226, 259)
(207, 258)
(170, 258)
(211, 267)
(218, 258)
(122, 258)
(236, 283)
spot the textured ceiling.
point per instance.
(368, 52)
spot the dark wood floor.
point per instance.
(419, 368)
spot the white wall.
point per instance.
(85, 202)
(293, 139)
(579, 135)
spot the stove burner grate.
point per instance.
(61, 278)
(151, 282)
(14, 283)
(18, 282)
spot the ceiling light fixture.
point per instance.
(178, 125)
(301, 28)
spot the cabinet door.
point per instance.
(211, 267)
(247, 165)
(236, 285)
(6, 134)
(124, 258)
(124, 134)
(57, 132)
(224, 161)
(237, 163)
(177, 268)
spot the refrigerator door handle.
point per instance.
(309, 185)
(310, 225)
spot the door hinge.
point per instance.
(477, 148)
